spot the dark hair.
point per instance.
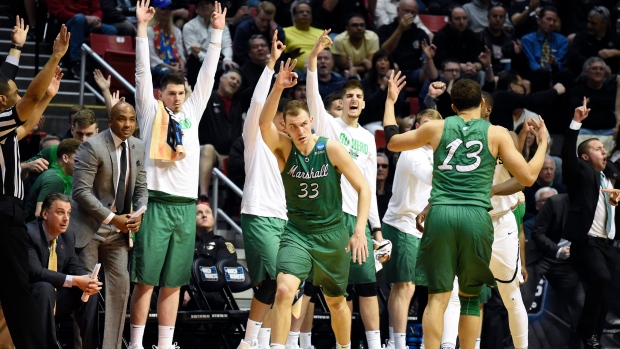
(85, 118)
(47, 138)
(372, 74)
(546, 9)
(349, 85)
(293, 108)
(488, 99)
(442, 66)
(4, 85)
(506, 78)
(355, 15)
(174, 78)
(50, 199)
(330, 98)
(585, 146)
(533, 147)
(67, 146)
(494, 5)
(282, 104)
(466, 94)
(257, 36)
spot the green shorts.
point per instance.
(457, 241)
(262, 236)
(405, 248)
(324, 254)
(164, 246)
(519, 212)
(365, 273)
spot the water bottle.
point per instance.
(361, 345)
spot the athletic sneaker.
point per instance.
(174, 346)
(249, 344)
(134, 346)
(388, 345)
(310, 347)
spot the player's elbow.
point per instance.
(528, 179)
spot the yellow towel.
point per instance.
(160, 148)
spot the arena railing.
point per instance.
(217, 176)
(86, 50)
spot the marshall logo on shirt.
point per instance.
(353, 145)
(323, 172)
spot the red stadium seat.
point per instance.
(380, 139)
(192, 11)
(414, 105)
(433, 22)
(125, 64)
(156, 93)
(100, 43)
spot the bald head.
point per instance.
(407, 9)
(122, 120)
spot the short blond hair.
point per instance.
(429, 113)
(267, 7)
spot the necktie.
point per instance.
(607, 206)
(52, 264)
(545, 57)
(120, 190)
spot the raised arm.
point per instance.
(10, 66)
(341, 159)
(317, 110)
(145, 103)
(33, 120)
(251, 124)
(36, 90)
(570, 162)
(286, 79)
(104, 86)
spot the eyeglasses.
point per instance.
(382, 165)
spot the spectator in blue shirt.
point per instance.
(263, 24)
(546, 49)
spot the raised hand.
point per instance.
(539, 129)
(485, 57)
(19, 34)
(395, 84)
(277, 48)
(517, 46)
(61, 44)
(218, 17)
(102, 82)
(287, 78)
(52, 89)
(582, 112)
(429, 50)
(323, 42)
(435, 89)
(144, 12)
(116, 98)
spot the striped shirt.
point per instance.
(9, 154)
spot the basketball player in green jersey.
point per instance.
(459, 233)
(314, 237)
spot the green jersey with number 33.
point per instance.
(464, 166)
(312, 188)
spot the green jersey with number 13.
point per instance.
(312, 187)
(464, 166)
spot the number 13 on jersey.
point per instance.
(473, 152)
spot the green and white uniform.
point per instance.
(459, 233)
(414, 171)
(361, 145)
(263, 207)
(314, 237)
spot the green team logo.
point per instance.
(353, 145)
(185, 124)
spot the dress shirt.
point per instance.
(119, 151)
(532, 47)
(49, 238)
(196, 32)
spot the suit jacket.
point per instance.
(39, 254)
(550, 223)
(583, 185)
(94, 178)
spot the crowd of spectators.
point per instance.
(536, 57)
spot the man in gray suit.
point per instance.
(101, 209)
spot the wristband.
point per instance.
(17, 47)
(374, 230)
(216, 36)
(390, 131)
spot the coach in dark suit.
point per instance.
(108, 179)
(591, 222)
(57, 279)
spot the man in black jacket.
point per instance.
(57, 279)
(591, 219)
(116, 15)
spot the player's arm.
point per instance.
(34, 119)
(321, 121)
(525, 172)
(341, 159)
(286, 79)
(508, 187)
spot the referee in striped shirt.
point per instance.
(20, 310)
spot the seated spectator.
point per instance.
(333, 14)
(300, 37)
(442, 7)
(545, 179)
(166, 51)
(128, 9)
(263, 24)
(57, 279)
(353, 49)
(384, 190)
(48, 141)
(196, 39)
(403, 40)
(387, 10)
(329, 81)
(81, 17)
(602, 95)
(240, 12)
(456, 40)
(555, 264)
(72, 113)
(375, 90)
(449, 70)
(478, 12)
(541, 197)
(545, 49)
(252, 69)
(58, 179)
(333, 104)
(208, 245)
(84, 126)
(600, 40)
(523, 15)
(284, 15)
(498, 39)
(114, 15)
(220, 126)
(298, 92)
(574, 15)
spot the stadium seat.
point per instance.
(191, 8)
(414, 105)
(380, 139)
(125, 64)
(433, 22)
(100, 43)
